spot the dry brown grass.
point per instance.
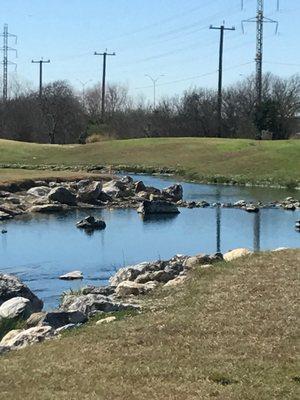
(229, 333)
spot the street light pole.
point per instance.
(83, 84)
(154, 81)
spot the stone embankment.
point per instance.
(56, 196)
(124, 293)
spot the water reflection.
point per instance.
(158, 218)
(256, 232)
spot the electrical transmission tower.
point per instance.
(221, 29)
(41, 62)
(6, 35)
(105, 54)
(260, 20)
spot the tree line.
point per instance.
(63, 115)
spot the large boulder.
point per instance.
(62, 195)
(11, 286)
(39, 191)
(18, 339)
(89, 193)
(57, 319)
(17, 307)
(173, 193)
(236, 253)
(115, 188)
(92, 303)
(157, 207)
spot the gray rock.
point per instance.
(139, 187)
(91, 303)
(57, 319)
(129, 288)
(90, 223)
(157, 207)
(39, 191)
(89, 193)
(18, 339)
(11, 286)
(17, 307)
(114, 188)
(62, 195)
(71, 276)
(173, 193)
(129, 273)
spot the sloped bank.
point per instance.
(123, 294)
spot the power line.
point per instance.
(6, 35)
(222, 29)
(105, 54)
(41, 62)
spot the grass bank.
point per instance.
(202, 159)
(230, 332)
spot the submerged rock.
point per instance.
(71, 276)
(90, 223)
(46, 208)
(157, 207)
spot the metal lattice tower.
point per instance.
(6, 35)
(260, 19)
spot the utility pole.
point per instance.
(154, 81)
(41, 62)
(6, 35)
(221, 28)
(259, 19)
(105, 54)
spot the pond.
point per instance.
(40, 248)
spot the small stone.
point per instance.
(106, 320)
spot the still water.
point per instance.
(40, 248)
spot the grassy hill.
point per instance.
(229, 333)
(206, 159)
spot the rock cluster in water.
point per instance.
(56, 196)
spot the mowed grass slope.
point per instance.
(230, 332)
(277, 161)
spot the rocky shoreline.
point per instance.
(60, 195)
(124, 293)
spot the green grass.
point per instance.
(230, 332)
(202, 159)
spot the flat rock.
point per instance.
(106, 320)
(71, 276)
(5, 216)
(18, 339)
(236, 253)
(58, 319)
(46, 208)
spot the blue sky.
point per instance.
(169, 37)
